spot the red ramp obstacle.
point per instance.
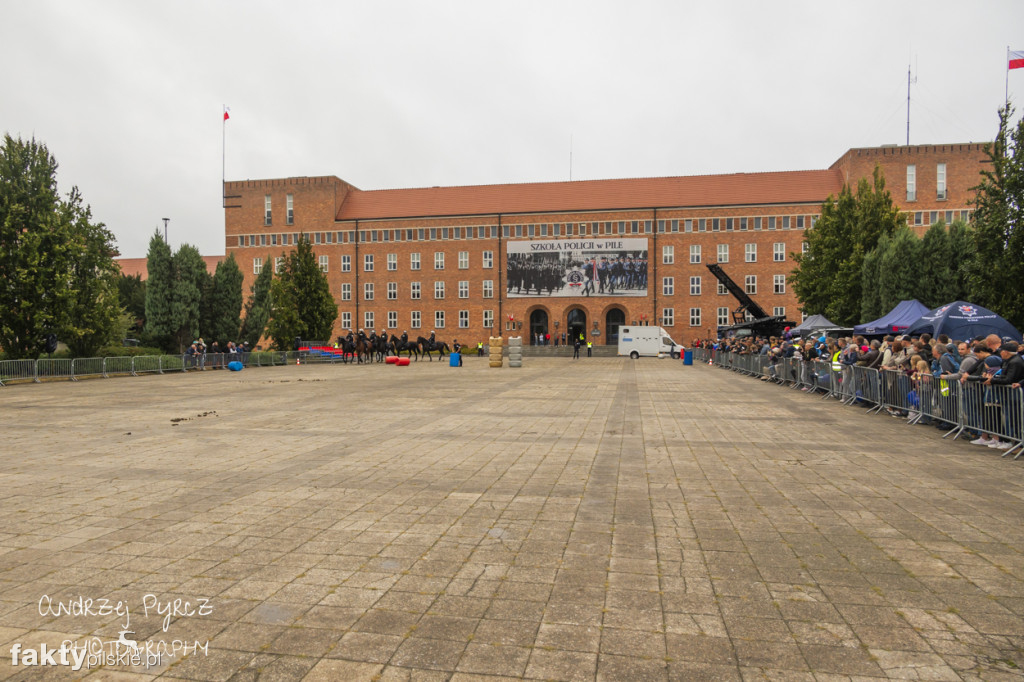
(402, 362)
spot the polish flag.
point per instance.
(1016, 60)
(226, 110)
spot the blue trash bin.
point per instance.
(687, 357)
(454, 359)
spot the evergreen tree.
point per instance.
(257, 307)
(961, 250)
(998, 267)
(226, 304)
(131, 291)
(191, 275)
(303, 305)
(899, 269)
(937, 270)
(161, 323)
(871, 307)
(94, 316)
(828, 279)
(37, 249)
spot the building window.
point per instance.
(368, 319)
(289, 216)
(488, 259)
(785, 222)
(368, 291)
(940, 182)
(668, 255)
(392, 319)
(488, 319)
(346, 263)
(668, 317)
(346, 320)
(346, 292)
(695, 286)
(750, 284)
(668, 286)
(750, 253)
(392, 291)
(911, 182)
(722, 291)
(488, 288)
(694, 253)
(463, 319)
(780, 284)
(438, 319)
(804, 247)
(439, 260)
(278, 264)
(367, 262)
(687, 225)
(438, 290)
(392, 261)
(414, 319)
(694, 317)
(414, 292)
(723, 253)
(257, 266)
(464, 288)
(266, 210)
(779, 252)
(463, 260)
(323, 263)
(779, 311)
(723, 316)
(414, 261)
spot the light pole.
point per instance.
(166, 220)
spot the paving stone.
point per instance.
(606, 520)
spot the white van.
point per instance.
(647, 341)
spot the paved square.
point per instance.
(571, 520)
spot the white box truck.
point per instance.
(647, 341)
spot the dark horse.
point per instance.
(356, 347)
(380, 346)
(427, 347)
(409, 346)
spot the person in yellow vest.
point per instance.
(590, 349)
(479, 349)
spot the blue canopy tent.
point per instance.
(813, 324)
(963, 321)
(895, 321)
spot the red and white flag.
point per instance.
(226, 110)
(1016, 59)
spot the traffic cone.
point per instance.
(297, 363)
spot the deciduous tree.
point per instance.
(302, 303)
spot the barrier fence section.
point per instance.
(47, 369)
(967, 407)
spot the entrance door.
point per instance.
(612, 321)
(538, 325)
(576, 325)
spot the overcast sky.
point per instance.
(128, 95)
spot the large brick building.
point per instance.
(452, 259)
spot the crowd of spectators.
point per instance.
(904, 364)
(198, 356)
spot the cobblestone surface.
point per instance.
(571, 520)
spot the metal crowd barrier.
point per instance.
(46, 369)
(960, 408)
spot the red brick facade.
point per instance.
(680, 213)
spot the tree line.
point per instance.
(862, 258)
(59, 280)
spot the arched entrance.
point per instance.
(576, 325)
(538, 325)
(612, 321)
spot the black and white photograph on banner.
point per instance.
(577, 268)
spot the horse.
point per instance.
(427, 347)
(361, 346)
(409, 346)
(380, 345)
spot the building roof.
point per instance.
(137, 266)
(736, 189)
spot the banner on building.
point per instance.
(604, 266)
